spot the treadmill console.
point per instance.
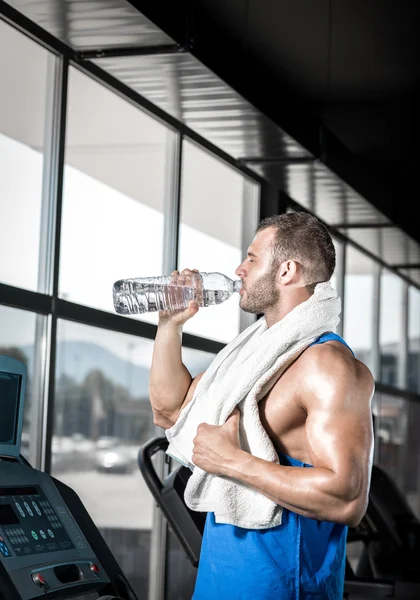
(29, 523)
(42, 547)
(43, 550)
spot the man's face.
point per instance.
(258, 274)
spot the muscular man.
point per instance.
(318, 416)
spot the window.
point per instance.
(335, 279)
(218, 221)
(397, 447)
(102, 415)
(359, 305)
(114, 192)
(23, 73)
(414, 340)
(17, 340)
(391, 329)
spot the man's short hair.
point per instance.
(303, 238)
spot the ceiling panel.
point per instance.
(390, 244)
(319, 190)
(92, 24)
(370, 239)
(180, 85)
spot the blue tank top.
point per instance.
(301, 559)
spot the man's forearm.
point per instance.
(169, 378)
(314, 492)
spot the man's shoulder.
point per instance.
(332, 362)
(333, 357)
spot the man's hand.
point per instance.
(188, 278)
(215, 446)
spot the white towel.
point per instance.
(242, 374)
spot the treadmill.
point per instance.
(379, 573)
(49, 545)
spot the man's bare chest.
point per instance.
(283, 416)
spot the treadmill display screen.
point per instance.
(8, 515)
(9, 403)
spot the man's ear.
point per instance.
(287, 271)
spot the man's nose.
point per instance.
(240, 271)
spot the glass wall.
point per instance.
(102, 415)
(397, 449)
(114, 193)
(24, 74)
(391, 331)
(218, 219)
(414, 340)
(337, 275)
(359, 303)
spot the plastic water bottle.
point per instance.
(148, 294)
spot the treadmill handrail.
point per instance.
(146, 466)
(173, 507)
(369, 589)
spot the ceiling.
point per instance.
(341, 77)
(319, 98)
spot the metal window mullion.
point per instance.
(409, 411)
(376, 323)
(173, 175)
(42, 350)
(376, 355)
(341, 284)
(403, 363)
(250, 215)
(272, 201)
(55, 193)
(172, 208)
(311, 187)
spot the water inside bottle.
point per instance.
(134, 298)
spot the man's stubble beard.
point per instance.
(262, 295)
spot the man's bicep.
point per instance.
(339, 436)
(191, 390)
(339, 430)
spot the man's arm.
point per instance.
(171, 386)
(336, 394)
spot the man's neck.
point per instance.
(287, 304)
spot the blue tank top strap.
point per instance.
(329, 336)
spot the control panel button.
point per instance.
(43, 534)
(94, 568)
(34, 535)
(20, 509)
(28, 508)
(38, 579)
(36, 507)
(50, 533)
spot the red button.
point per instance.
(94, 568)
(38, 579)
